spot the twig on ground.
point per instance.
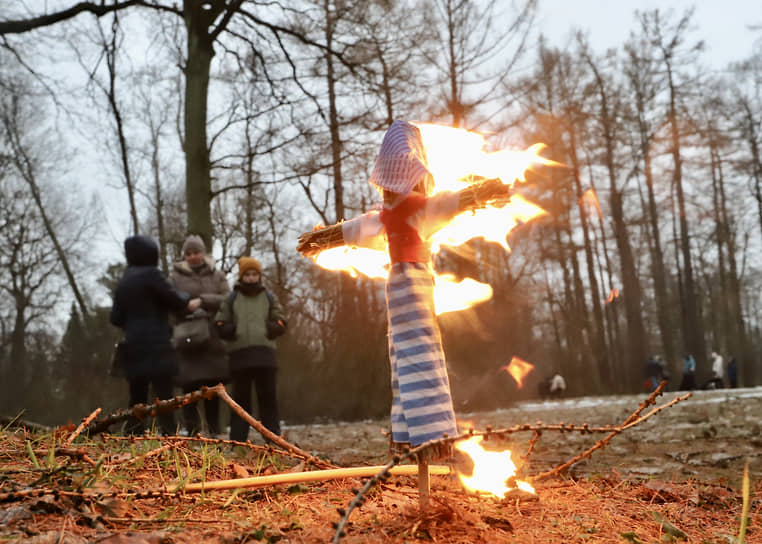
(267, 434)
(85, 422)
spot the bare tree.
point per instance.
(609, 105)
(15, 119)
(669, 40)
(205, 22)
(645, 83)
(478, 47)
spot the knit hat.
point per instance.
(248, 263)
(194, 243)
(401, 163)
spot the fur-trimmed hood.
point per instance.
(182, 267)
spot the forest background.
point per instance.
(249, 122)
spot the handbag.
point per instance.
(118, 359)
(191, 334)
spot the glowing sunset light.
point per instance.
(492, 469)
(518, 369)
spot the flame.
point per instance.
(492, 469)
(591, 199)
(612, 295)
(449, 295)
(353, 260)
(492, 223)
(466, 425)
(456, 154)
(456, 157)
(452, 296)
(518, 368)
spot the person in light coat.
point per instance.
(201, 365)
(718, 371)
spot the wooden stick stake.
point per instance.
(310, 476)
(423, 484)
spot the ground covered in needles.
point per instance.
(677, 477)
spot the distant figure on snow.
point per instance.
(656, 372)
(733, 372)
(689, 373)
(557, 385)
(553, 386)
(718, 371)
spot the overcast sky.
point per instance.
(725, 25)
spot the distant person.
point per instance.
(732, 373)
(557, 386)
(543, 387)
(250, 320)
(201, 353)
(689, 373)
(656, 372)
(718, 372)
(143, 301)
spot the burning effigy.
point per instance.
(429, 200)
(419, 214)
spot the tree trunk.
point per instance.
(692, 326)
(614, 349)
(198, 188)
(657, 256)
(597, 329)
(160, 230)
(637, 344)
(18, 335)
(736, 325)
(110, 53)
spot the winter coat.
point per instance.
(718, 368)
(250, 313)
(143, 301)
(207, 363)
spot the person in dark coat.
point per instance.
(205, 364)
(258, 319)
(655, 372)
(143, 301)
(732, 372)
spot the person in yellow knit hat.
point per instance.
(249, 321)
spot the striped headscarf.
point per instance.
(401, 163)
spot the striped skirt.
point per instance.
(421, 404)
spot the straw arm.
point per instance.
(475, 196)
(480, 194)
(313, 242)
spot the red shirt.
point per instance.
(405, 244)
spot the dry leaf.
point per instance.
(240, 471)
